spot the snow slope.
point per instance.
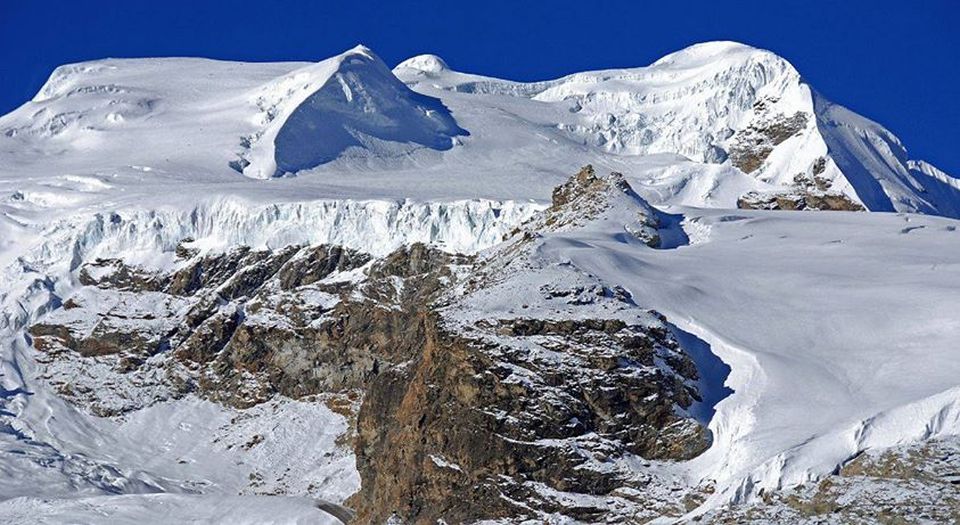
(839, 328)
(132, 510)
(317, 113)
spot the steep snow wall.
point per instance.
(875, 163)
(149, 237)
(374, 226)
(348, 103)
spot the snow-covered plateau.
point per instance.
(324, 292)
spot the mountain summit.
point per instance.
(742, 123)
(352, 101)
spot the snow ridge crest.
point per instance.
(349, 105)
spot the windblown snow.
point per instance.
(840, 328)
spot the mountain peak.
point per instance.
(720, 46)
(427, 64)
(699, 55)
(360, 49)
(352, 102)
(360, 52)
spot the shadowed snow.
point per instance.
(362, 105)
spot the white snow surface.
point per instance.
(841, 329)
(165, 508)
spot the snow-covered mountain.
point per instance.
(702, 127)
(262, 292)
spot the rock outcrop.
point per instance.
(470, 410)
(240, 327)
(522, 419)
(532, 412)
(756, 142)
(798, 200)
(587, 198)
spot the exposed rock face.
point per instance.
(243, 326)
(470, 410)
(531, 415)
(798, 200)
(756, 142)
(517, 424)
(585, 198)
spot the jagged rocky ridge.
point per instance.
(523, 409)
(468, 411)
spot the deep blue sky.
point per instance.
(895, 62)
